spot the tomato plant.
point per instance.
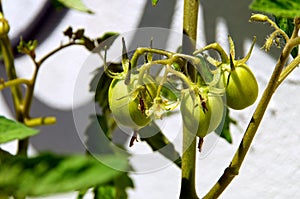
(143, 87)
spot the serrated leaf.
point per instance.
(105, 192)
(287, 25)
(154, 2)
(12, 130)
(114, 189)
(49, 173)
(73, 4)
(279, 8)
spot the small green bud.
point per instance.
(259, 18)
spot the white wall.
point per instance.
(272, 167)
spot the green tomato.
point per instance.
(241, 87)
(128, 104)
(201, 118)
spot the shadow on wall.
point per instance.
(236, 14)
(63, 138)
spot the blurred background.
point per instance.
(272, 167)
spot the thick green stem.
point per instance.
(15, 90)
(233, 169)
(8, 59)
(190, 21)
(188, 165)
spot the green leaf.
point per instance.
(122, 183)
(154, 2)
(73, 4)
(282, 8)
(106, 36)
(101, 82)
(170, 92)
(105, 192)
(287, 25)
(12, 130)
(225, 132)
(114, 189)
(49, 173)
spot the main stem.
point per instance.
(15, 90)
(188, 165)
(190, 21)
(8, 58)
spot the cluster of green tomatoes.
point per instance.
(136, 96)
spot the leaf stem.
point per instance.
(30, 90)
(288, 70)
(14, 82)
(44, 58)
(140, 51)
(33, 122)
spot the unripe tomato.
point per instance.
(241, 87)
(201, 118)
(128, 105)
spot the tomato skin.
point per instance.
(200, 120)
(129, 110)
(241, 87)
